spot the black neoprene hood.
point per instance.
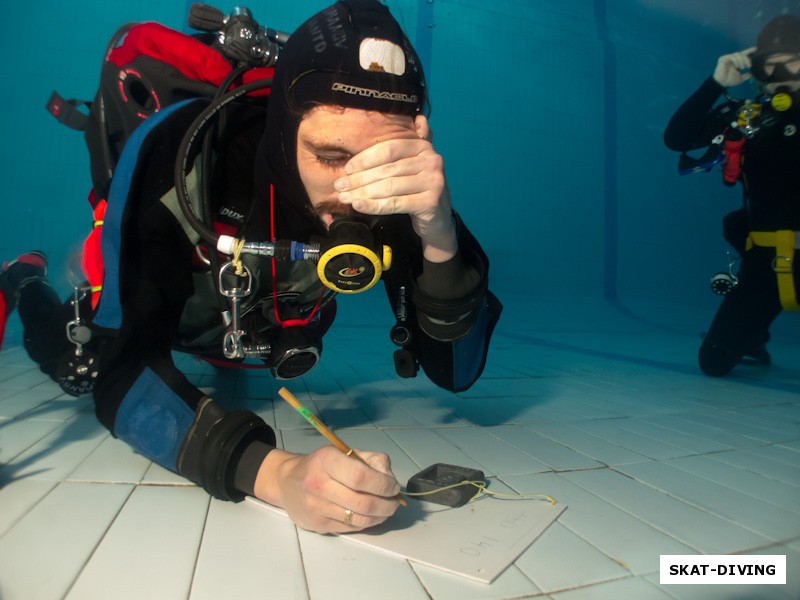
(780, 35)
(352, 54)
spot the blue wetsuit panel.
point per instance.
(469, 351)
(109, 311)
(153, 420)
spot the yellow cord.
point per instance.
(236, 261)
(482, 489)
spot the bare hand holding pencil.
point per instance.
(328, 491)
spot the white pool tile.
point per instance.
(18, 436)
(593, 446)
(434, 410)
(621, 536)
(18, 497)
(775, 452)
(383, 404)
(693, 433)
(44, 552)
(427, 447)
(658, 430)
(61, 409)
(624, 433)
(755, 514)
(698, 528)
(27, 378)
(512, 583)
(356, 570)
(554, 455)
(113, 461)
(496, 457)
(631, 588)
(150, 549)
(15, 403)
(769, 491)
(245, 549)
(256, 384)
(759, 461)
(58, 453)
(551, 575)
(754, 429)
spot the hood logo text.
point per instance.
(377, 94)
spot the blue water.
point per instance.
(549, 116)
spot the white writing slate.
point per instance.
(478, 540)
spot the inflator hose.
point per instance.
(204, 179)
(196, 129)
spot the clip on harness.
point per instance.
(785, 242)
(233, 344)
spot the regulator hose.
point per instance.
(193, 134)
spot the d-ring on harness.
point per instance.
(232, 344)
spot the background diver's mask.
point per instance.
(771, 73)
(350, 259)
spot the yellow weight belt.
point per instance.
(785, 242)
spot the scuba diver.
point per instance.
(228, 234)
(758, 145)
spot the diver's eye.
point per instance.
(332, 162)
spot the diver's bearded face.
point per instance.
(328, 137)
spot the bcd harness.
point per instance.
(785, 242)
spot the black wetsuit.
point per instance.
(158, 303)
(771, 181)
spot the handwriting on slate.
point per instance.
(485, 543)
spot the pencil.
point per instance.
(320, 426)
